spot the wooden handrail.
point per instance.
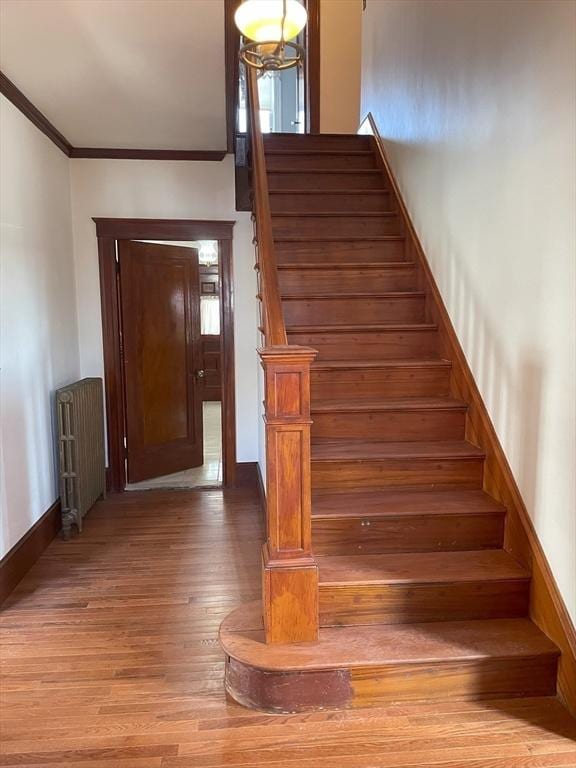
(274, 328)
(290, 573)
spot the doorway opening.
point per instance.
(166, 289)
(202, 467)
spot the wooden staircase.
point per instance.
(418, 600)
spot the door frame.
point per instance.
(108, 231)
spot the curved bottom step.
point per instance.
(363, 666)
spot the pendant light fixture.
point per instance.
(268, 28)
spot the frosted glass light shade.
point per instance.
(261, 20)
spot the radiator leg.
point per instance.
(68, 520)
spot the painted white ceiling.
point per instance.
(131, 74)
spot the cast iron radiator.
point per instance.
(80, 418)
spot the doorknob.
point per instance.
(200, 374)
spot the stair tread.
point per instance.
(385, 266)
(389, 404)
(419, 568)
(374, 327)
(354, 295)
(362, 450)
(325, 170)
(321, 152)
(337, 365)
(384, 645)
(334, 214)
(352, 191)
(393, 503)
(336, 239)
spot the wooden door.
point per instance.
(160, 314)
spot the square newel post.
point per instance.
(290, 573)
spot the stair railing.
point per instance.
(290, 573)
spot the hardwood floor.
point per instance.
(110, 659)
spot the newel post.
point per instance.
(290, 573)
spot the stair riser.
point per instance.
(400, 382)
(413, 603)
(335, 226)
(326, 202)
(394, 426)
(338, 252)
(381, 345)
(283, 182)
(296, 281)
(313, 162)
(378, 686)
(385, 473)
(362, 310)
(421, 533)
(320, 141)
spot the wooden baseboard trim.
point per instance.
(246, 474)
(16, 563)
(547, 609)
(261, 487)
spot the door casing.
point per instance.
(108, 231)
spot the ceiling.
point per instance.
(128, 74)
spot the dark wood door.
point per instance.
(160, 311)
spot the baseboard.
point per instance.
(261, 489)
(246, 474)
(547, 609)
(16, 563)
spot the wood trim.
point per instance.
(231, 48)
(246, 474)
(313, 67)
(198, 155)
(164, 229)
(18, 561)
(228, 379)
(108, 231)
(274, 327)
(547, 608)
(15, 95)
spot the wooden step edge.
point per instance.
(379, 515)
(390, 405)
(356, 295)
(326, 171)
(385, 328)
(388, 505)
(312, 266)
(347, 239)
(322, 192)
(472, 566)
(334, 215)
(345, 365)
(318, 136)
(403, 451)
(321, 152)
(241, 637)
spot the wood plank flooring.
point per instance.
(110, 659)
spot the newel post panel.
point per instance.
(290, 573)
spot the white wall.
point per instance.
(39, 349)
(170, 190)
(340, 64)
(476, 102)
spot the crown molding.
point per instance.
(15, 95)
(149, 154)
(21, 102)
